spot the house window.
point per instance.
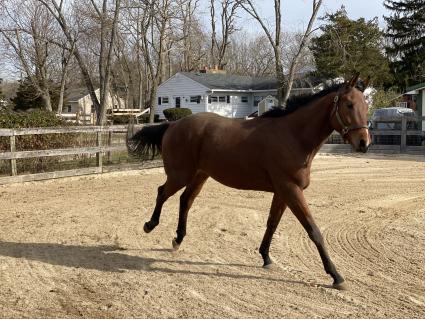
(222, 99)
(244, 99)
(195, 99)
(257, 99)
(212, 99)
(165, 100)
(228, 98)
(68, 108)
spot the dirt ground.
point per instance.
(75, 248)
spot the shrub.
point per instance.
(37, 118)
(145, 118)
(175, 114)
(122, 119)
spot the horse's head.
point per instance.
(349, 115)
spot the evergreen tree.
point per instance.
(346, 46)
(406, 35)
(27, 97)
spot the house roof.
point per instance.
(217, 81)
(418, 86)
(74, 95)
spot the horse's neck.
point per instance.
(313, 124)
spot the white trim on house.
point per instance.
(186, 87)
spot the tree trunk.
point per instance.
(153, 102)
(45, 96)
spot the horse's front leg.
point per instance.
(294, 197)
(276, 212)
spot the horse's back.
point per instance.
(226, 149)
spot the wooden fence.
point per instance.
(101, 150)
(399, 141)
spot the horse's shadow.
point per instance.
(110, 258)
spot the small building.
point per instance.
(78, 106)
(415, 99)
(225, 94)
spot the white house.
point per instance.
(78, 105)
(225, 94)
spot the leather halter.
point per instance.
(344, 128)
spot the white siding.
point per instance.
(236, 108)
(183, 87)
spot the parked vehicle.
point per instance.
(390, 119)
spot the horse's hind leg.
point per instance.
(186, 200)
(165, 191)
(276, 212)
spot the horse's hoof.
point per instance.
(146, 228)
(340, 286)
(176, 245)
(269, 266)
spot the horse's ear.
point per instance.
(352, 83)
(366, 83)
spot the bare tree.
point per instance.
(108, 19)
(154, 26)
(65, 61)
(190, 41)
(108, 31)
(26, 30)
(284, 85)
(301, 48)
(228, 14)
(250, 55)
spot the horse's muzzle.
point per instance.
(363, 146)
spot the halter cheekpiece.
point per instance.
(344, 128)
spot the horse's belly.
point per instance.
(240, 178)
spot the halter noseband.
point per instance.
(344, 128)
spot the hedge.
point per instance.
(36, 118)
(174, 114)
(39, 118)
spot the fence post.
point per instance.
(403, 135)
(13, 150)
(99, 155)
(109, 145)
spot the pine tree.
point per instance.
(406, 37)
(346, 46)
(27, 97)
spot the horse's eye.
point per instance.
(350, 105)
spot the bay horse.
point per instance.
(271, 153)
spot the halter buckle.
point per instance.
(336, 98)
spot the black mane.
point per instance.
(296, 102)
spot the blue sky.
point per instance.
(296, 13)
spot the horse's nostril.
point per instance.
(362, 143)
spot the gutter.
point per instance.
(252, 91)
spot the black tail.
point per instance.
(147, 142)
